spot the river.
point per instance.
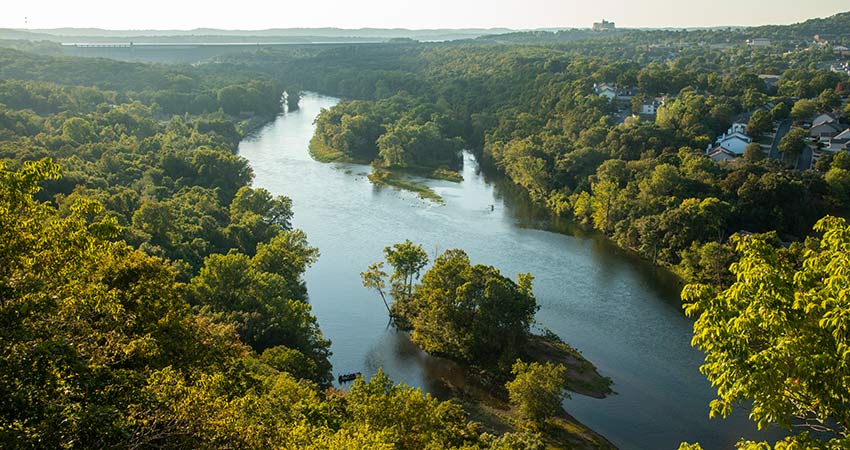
(623, 314)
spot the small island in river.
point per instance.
(506, 377)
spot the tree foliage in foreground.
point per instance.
(779, 336)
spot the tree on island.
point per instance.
(293, 96)
(537, 390)
(470, 313)
(778, 337)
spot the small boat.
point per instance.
(346, 377)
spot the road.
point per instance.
(781, 131)
(804, 161)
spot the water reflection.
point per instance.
(623, 313)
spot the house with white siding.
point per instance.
(734, 140)
(650, 106)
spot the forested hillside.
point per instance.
(151, 297)
(531, 112)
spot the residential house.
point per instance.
(824, 117)
(826, 126)
(612, 92)
(730, 144)
(650, 106)
(605, 90)
(720, 154)
(839, 142)
(840, 68)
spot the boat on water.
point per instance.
(346, 377)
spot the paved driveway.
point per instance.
(781, 131)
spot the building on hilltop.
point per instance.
(758, 42)
(603, 26)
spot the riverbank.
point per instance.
(484, 397)
(623, 313)
(384, 177)
(325, 154)
(248, 126)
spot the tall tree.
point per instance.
(778, 337)
(407, 260)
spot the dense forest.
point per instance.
(530, 112)
(151, 297)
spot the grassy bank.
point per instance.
(485, 398)
(382, 177)
(582, 376)
(445, 174)
(322, 153)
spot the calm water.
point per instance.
(621, 313)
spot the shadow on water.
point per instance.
(665, 284)
(621, 311)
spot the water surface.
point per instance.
(623, 314)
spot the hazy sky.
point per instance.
(259, 14)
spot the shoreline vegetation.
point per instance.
(172, 310)
(391, 178)
(323, 153)
(387, 176)
(486, 401)
(478, 323)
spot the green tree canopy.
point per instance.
(537, 389)
(470, 312)
(760, 122)
(793, 143)
(777, 337)
(804, 109)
